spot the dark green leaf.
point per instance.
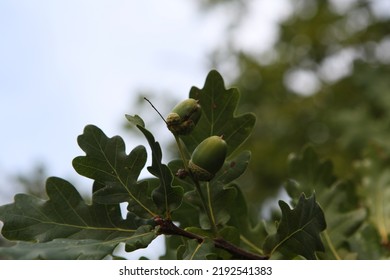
(166, 197)
(198, 251)
(342, 217)
(308, 174)
(217, 192)
(66, 215)
(252, 236)
(142, 237)
(60, 249)
(172, 245)
(218, 197)
(218, 115)
(176, 166)
(299, 230)
(233, 169)
(227, 233)
(107, 163)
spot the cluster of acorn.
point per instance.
(209, 156)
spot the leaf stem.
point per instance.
(210, 208)
(332, 248)
(206, 207)
(250, 244)
(181, 151)
(169, 228)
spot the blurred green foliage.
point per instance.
(345, 53)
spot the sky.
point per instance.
(65, 64)
(68, 63)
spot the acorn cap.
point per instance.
(184, 117)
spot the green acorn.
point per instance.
(184, 117)
(208, 158)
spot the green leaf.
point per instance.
(375, 187)
(75, 249)
(368, 245)
(217, 196)
(226, 233)
(172, 245)
(65, 215)
(166, 197)
(251, 236)
(107, 163)
(338, 199)
(230, 171)
(60, 249)
(298, 232)
(198, 251)
(218, 115)
(233, 169)
(343, 220)
(309, 172)
(136, 120)
(218, 192)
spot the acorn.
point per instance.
(184, 117)
(208, 158)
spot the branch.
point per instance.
(169, 228)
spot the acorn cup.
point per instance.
(208, 158)
(184, 117)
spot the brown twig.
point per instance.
(169, 228)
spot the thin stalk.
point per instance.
(182, 153)
(206, 208)
(250, 244)
(210, 207)
(332, 248)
